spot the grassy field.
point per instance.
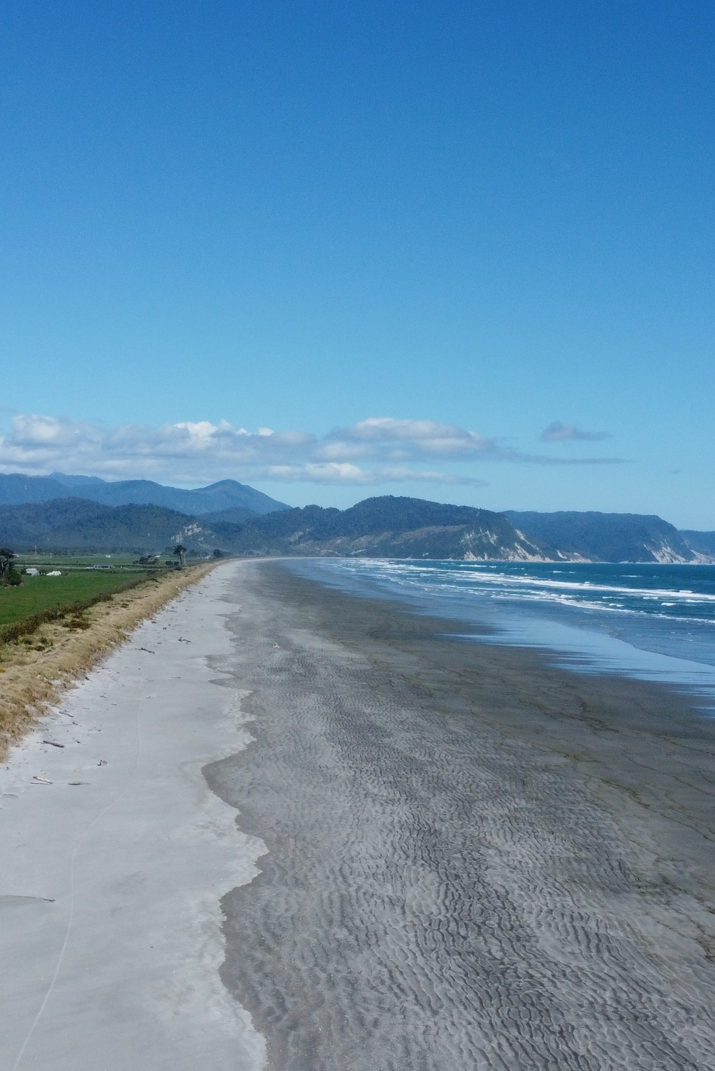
(73, 561)
(39, 593)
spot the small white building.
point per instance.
(32, 572)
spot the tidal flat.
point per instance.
(475, 860)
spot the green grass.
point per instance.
(69, 561)
(37, 594)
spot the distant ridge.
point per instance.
(18, 489)
(397, 527)
(74, 481)
(702, 543)
(606, 537)
(76, 525)
(382, 527)
(385, 527)
(378, 527)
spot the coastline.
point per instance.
(622, 620)
(475, 859)
(330, 833)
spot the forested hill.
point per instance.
(701, 542)
(75, 525)
(387, 526)
(607, 537)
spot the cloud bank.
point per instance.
(373, 451)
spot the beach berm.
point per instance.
(38, 663)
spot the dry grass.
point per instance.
(35, 670)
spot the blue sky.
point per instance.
(406, 238)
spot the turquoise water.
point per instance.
(653, 622)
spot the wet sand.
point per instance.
(475, 861)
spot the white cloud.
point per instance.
(374, 451)
(402, 438)
(561, 433)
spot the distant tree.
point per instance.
(9, 573)
(180, 552)
(218, 553)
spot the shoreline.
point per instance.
(307, 830)
(475, 859)
(618, 640)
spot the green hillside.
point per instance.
(76, 525)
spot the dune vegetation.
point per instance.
(35, 666)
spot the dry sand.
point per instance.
(110, 924)
(475, 861)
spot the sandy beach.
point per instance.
(110, 922)
(330, 835)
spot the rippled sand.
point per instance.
(475, 861)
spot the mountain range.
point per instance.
(413, 528)
(386, 527)
(18, 489)
(137, 516)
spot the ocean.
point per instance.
(652, 622)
